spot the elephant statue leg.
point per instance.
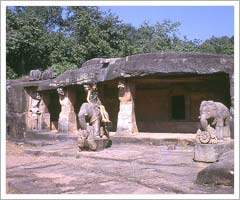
(219, 129)
(227, 131)
(96, 128)
(82, 121)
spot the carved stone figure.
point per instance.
(35, 102)
(92, 97)
(90, 113)
(93, 133)
(220, 116)
(67, 121)
(93, 130)
(35, 75)
(126, 124)
(48, 74)
(206, 137)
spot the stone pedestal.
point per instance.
(206, 152)
(67, 121)
(93, 144)
(126, 117)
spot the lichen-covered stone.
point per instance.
(205, 153)
(93, 144)
(147, 64)
(221, 172)
(16, 109)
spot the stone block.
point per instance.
(205, 153)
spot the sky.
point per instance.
(197, 22)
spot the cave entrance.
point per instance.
(54, 109)
(170, 103)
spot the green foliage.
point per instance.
(61, 67)
(222, 45)
(10, 73)
(42, 37)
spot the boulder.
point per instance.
(219, 173)
(35, 75)
(93, 144)
(48, 74)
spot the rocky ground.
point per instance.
(121, 169)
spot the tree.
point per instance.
(221, 45)
(29, 37)
(158, 37)
(63, 38)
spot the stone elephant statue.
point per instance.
(91, 113)
(220, 115)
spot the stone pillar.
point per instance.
(231, 78)
(44, 118)
(126, 123)
(67, 118)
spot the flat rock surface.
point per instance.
(121, 169)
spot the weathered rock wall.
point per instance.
(16, 109)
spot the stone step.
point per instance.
(153, 141)
(157, 139)
(49, 136)
(39, 143)
(70, 149)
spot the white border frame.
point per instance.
(4, 4)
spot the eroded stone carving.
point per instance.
(206, 137)
(48, 74)
(93, 132)
(67, 118)
(220, 116)
(35, 111)
(36, 75)
(126, 116)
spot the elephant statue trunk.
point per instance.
(203, 122)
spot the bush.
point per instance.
(61, 67)
(11, 74)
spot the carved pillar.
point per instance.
(67, 118)
(34, 112)
(126, 123)
(44, 118)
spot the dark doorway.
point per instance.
(178, 107)
(54, 109)
(81, 97)
(108, 94)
